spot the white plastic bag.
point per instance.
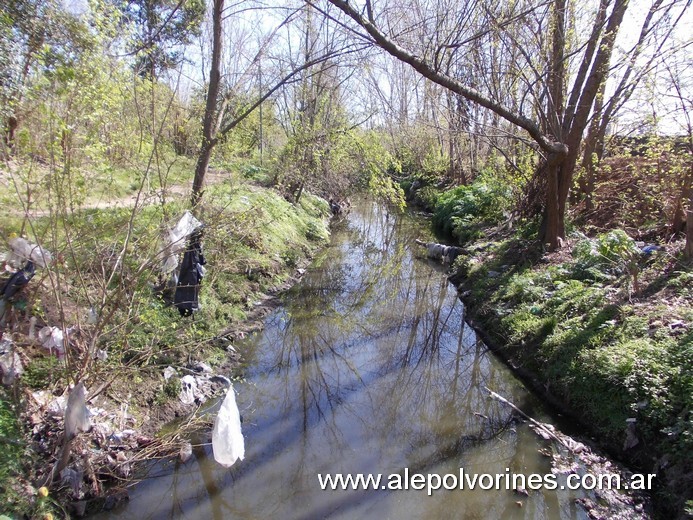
(52, 339)
(23, 250)
(76, 413)
(227, 439)
(188, 389)
(10, 363)
(174, 241)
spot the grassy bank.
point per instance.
(108, 265)
(602, 328)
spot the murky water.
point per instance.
(368, 367)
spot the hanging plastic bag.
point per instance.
(227, 439)
(76, 413)
(52, 339)
(174, 241)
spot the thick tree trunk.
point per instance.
(9, 137)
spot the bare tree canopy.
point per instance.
(454, 45)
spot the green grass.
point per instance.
(607, 359)
(253, 241)
(11, 453)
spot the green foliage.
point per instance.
(583, 342)
(42, 372)
(10, 455)
(612, 253)
(459, 211)
(159, 28)
(428, 196)
(386, 189)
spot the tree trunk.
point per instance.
(688, 250)
(597, 76)
(208, 124)
(10, 131)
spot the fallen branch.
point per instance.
(536, 423)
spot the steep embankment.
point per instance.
(140, 362)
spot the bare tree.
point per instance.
(219, 119)
(560, 118)
(656, 30)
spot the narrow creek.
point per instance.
(367, 367)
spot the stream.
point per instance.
(367, 367)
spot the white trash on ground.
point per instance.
(11, 366)
(227, 439)
(169, 372)
(188, 389)
(52, 339)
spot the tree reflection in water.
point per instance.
(368, 367)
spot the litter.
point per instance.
(11, 290)
(188, 389)
(174, 242)
(169, 372)
(10, 363)
(190, 278)
(185, 452)
(17, 282)
(92, 317)
(52, 339)
(76, 413)
(227, 438)
(21, 251)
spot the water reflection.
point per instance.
(368, 367)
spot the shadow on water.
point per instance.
(367, 367)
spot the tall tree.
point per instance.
(219, 117)
(560, 134)
(35, 35)
(160, 29)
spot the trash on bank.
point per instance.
(11, 367)
(23, 251)
(11, 290)
(188, 389)
(185, 452)
(76, 412)
(52, 338)
(190, 277)
(169, 372)
(227, 439)
(174, 242)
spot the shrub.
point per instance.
(462, 208)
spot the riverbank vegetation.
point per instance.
(551, 140)
(602, 328)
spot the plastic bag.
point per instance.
(22, 250)
(174, 241)
(188, 389)
(52, 339)
(11, 366)
(227, 439)
(76, 413)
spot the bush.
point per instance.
(459, 210)
(612, 253)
